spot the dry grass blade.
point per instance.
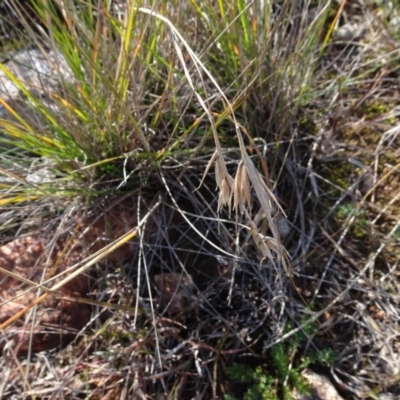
(222, 251)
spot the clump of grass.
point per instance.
(103, 85)
(141, 102)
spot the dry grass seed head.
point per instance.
(241, 189)
(246, 171)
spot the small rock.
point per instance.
(283, 225)
(37, 71)
(321, 388)
(366, 181)
(349, 32)
(40, 74)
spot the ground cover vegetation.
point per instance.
(199, 199)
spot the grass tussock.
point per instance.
(111, 124)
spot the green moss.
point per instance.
(337, 174)
(376, 108)
(284, 372)
(360, 225)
